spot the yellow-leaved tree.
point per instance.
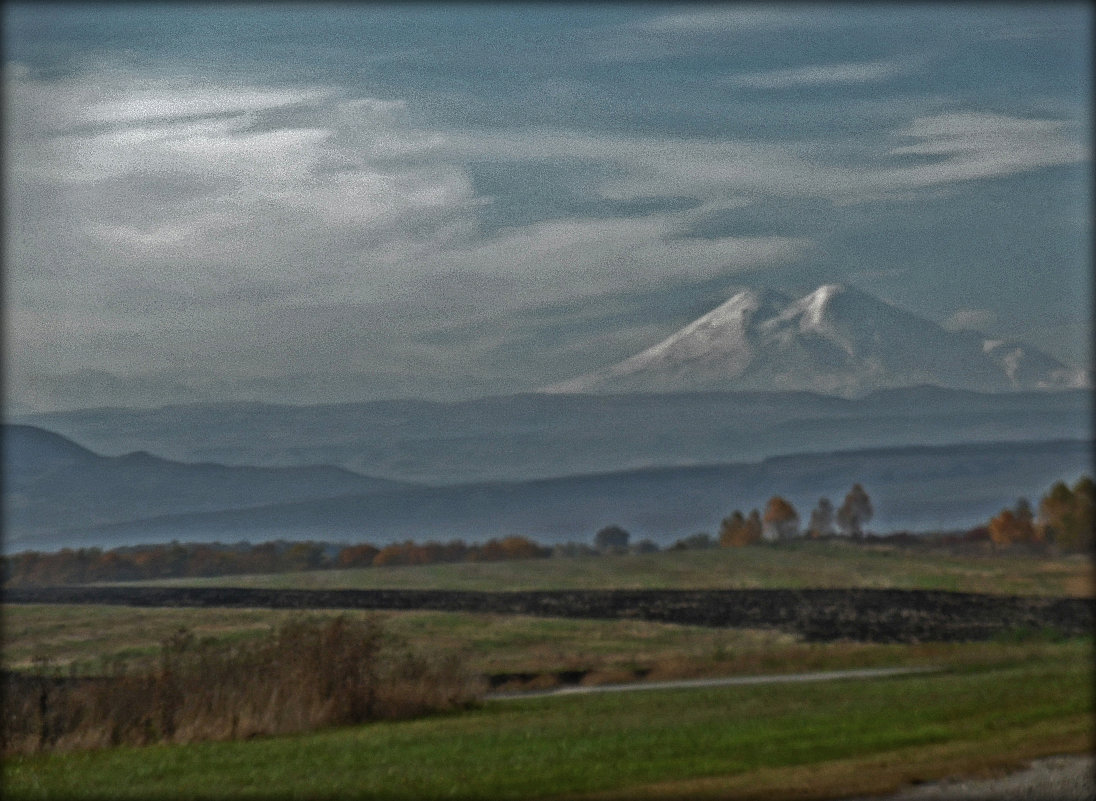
(1066, 515)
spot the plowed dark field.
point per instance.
(816, 615)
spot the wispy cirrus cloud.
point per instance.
(186, 206)
(729, 19)
(953, 147)
(966, 145)
(971, 320)
(863, 72)
(167, 102)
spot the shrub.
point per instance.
(305, 675)
(699, 541)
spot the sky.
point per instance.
(320, 203)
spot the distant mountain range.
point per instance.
(52, 484)
(523, 437)
(836, 340)
(57, 494)
(766, 394)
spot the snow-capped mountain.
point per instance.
(836, 340)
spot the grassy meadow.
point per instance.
(990, 705)
(86, 639)
(794, 565)
(777, 741)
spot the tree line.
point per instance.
(1064, 520)
(780, 520)
(175, 560)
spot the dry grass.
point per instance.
(535, 653)
(307, 674)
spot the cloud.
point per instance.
(570, 258)
(257, 193)
(644, 167)
(965, 146)
(730, 19)
(971, 320)
(187, 225)
(819, 75)
(689, 30)
(951, 148)
(170, 102)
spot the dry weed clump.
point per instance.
(307, 674)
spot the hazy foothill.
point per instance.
(530, 401)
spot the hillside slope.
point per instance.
(51, 483)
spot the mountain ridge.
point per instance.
(913, 488)
(537, 435)
(51, 482)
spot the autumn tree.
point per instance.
(302, 556)
(1003, 530)
(855, 512)
(736, 530)
(781, 519)
(508, 548)
(396, 553)
(821, 522)
(1066, 515)
(732, 530)
(357, 555)
(1084, 510)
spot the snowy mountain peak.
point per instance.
(816, 305)
(818, 299)
(739, 310)
(834, 340)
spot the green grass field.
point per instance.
(993, 704)
(797, 564)
(801, 741)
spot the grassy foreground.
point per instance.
(88, 639)
(793, 565)
(996, 704)
(782, 741)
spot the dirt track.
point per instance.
(816, 615)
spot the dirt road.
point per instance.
(730, 681)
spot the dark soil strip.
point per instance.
(816, 615)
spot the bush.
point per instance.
(305, 675)
(573, 549)
(699, 541)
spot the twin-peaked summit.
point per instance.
(835, 340)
